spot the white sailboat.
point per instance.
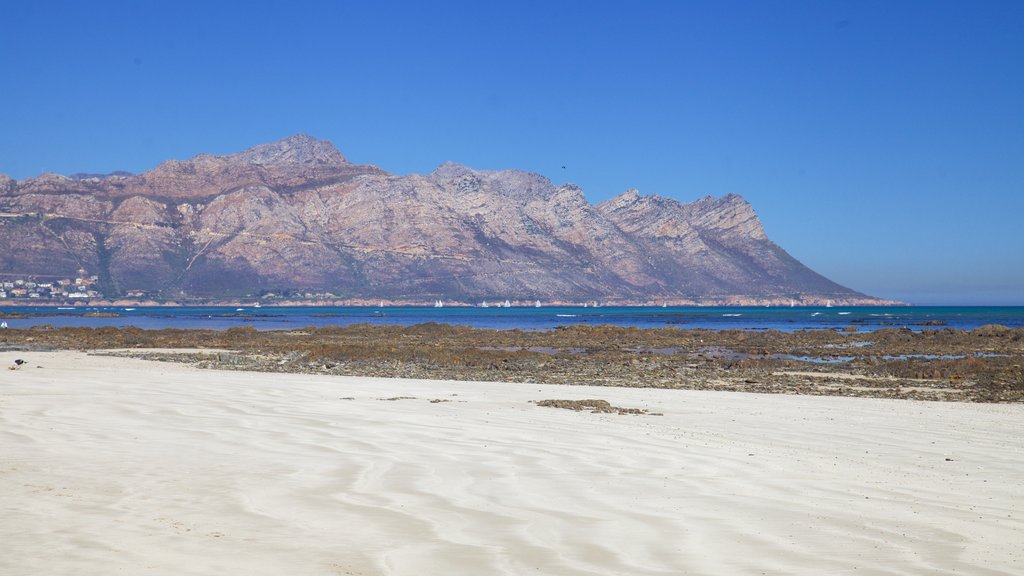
(508, 304)
(483, 304)
(381, 303)
(536, 304)
(828, 304)
(438, 304)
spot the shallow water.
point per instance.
(814, 359)
(524, 318)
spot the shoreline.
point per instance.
(739, 302)
(123, 465)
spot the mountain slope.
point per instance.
(294, 216)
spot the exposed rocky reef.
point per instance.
(982, 365)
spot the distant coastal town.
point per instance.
(85, 288)
(81, 288)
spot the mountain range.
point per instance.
(296, 219)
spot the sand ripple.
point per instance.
(113, 466)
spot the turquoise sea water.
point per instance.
(526, 318)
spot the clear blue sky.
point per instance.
(882, 143)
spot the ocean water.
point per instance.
(524, 318)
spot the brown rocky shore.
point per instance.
(981, 365)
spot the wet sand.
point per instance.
(114, 465)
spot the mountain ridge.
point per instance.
(296, 217)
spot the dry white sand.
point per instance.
(114, 466)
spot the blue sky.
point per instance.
(882, 143)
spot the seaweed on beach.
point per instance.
(589, 405)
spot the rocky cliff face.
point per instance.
(295, 215)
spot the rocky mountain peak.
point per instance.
(510, 184)
(730, 214)
(299, 149)
(451, 170)
(736, 201)
(622, 201)
(632, 201)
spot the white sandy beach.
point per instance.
(115, 466)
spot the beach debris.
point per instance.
(393, 398)
(589, 405)
(17, 364)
